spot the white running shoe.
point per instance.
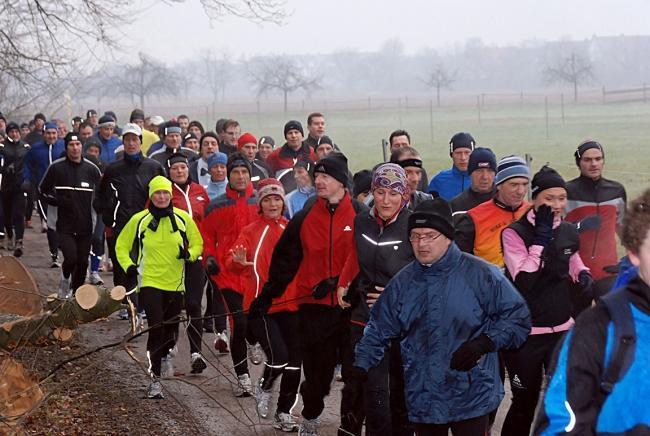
(263, 399)
(198, 363)
(95, 278)
(167, 367)
(221, 343)
(155, 390)
(64, 287)
(256, 353)
(337, 373)
(309, 427)
(244, 387)
(285, 422)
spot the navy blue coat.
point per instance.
(38, 158)
(433, 310)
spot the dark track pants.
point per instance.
(160, 307)
(75, 249)
(469, 427)
(194, 281)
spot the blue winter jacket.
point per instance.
(295, 200)
(108, 148)
(449, 183)
(434, 309)
(38, 158)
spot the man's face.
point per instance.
(218, 172)
(323, 150)
(179, 172)
(249, 150)
(210, 145)
(14, 134)
(328, 187)
(429, 245)
(399, 142)
(192, 144)
(460, 157)
(184, 123)
(265, 150)
(132, 143)
(85, 133)
(106, 132)
(239, 179)
(38, 124)
(482, 179)
(231, 135)
(73, 149)
(93, 151)
(317, 127)
(24, 131)
(592, 163)
(139, 123)
(294, 138)
(50, 136)
(414, 177)
(75, 125)
(92, 120)
(513, 191)
(195, 130)
(3, 124)
(61, 130)
(301, 175)
(173, 140)
(642, 259)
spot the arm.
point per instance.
(46, 187)
(523, 264)
(576, 266)
(465, 233)
(195, 240)
(125, 242)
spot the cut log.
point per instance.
(62, 334)
(18, 290)
(19, 391)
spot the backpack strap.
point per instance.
(618, 306)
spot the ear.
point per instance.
(634, 258)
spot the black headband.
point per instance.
(410, 163)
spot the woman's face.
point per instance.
(555, 198)
(179, 172)
(161, 199)
(272, 206)
(387, 202)
(218, 173)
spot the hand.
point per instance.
(183, 253)
(543, 225)
(354, 379)
(239, 255)
(341, 294)
(587, 282)
(372, 297)
(591, 222)
(260, 306)
(132, 273)
(211, 266)
(324, 287)
(467, 355)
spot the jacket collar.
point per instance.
(231, 193)
(456, 172)
(446, 263)
(504, 206)
(640, 294)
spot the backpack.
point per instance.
(618, 306)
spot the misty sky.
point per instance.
(325, 26)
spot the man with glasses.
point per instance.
(231, 133)
(451, 312)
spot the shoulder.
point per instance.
(219, 203)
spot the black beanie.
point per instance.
(136, 114)
(335, 165)
(433, 214)
(546, 178)
(482, 157)
(293, 125)
(586, 146)
(361, 182)
(12, 126)
(324, 140)
(71, 136)
(92, 141)
(176, 158)
(267, 140)
(461, 140)
(238, 160)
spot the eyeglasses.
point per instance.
(427, 237)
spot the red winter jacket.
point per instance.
(317, 244)
(259, 238)
(193, 199)
(224, 220)
(285, 157)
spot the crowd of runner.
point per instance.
(421, 295)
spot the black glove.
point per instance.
(354, 379)
(211, 266)
(591, 222)
(324, 287)
(132, 274)
(587, 282)
(26, 186)
(260, 306)
(183, 253)
(468, 354)
(543, 225)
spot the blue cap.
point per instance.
(217, 158)
(50, 125)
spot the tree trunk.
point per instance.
(575, 92)
(285, 101)
(142, 101)
(19, 393)
(438, 95)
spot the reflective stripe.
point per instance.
(379, 244)
(572, 418)
(257, 252)
(72, 188)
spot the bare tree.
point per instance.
(146, 79)
(575, 70)
(283, 75)
(439, 78)
(215, 72)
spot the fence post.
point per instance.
(482, 100)
(207, 115)
(431, 120)
(562, 106)
(399, 109)
(645, 99)
(259, 119)
(521, 100)
(546, 110)
(529, 163)
(369, 104)
(604, 94)
(478, 108)
(406, 103)
(303, 106)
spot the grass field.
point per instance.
(623, 129)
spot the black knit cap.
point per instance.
(267, 140)
(433, 214)
(325, 140)
(482, 157)
(136, 114)
(461, 140)
(361, 182)
(71, 136)
(293, 125)
(176, 158)
(546, 178)
(12, 126)
(586, 145)
(335, 165)
(237, 159)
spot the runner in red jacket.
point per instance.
(277, 332)
(225, 218)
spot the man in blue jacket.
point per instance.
(106, 137)
(450, 183)
(451, 312)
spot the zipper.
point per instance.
(593, 248)
(257, 252)
(187, 199)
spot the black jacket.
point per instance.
(260, 170)
(124, 189)
(469, 199)
(71, 187)
(12, 158)
(162, 155)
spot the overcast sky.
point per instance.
(177, 31)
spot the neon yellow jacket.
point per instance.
(156, 252)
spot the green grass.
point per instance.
(623, 129)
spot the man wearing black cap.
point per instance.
(449, 183)
(450, 313)
(401, 139)
(12, 157)
(172, 145)
(265, 147)
(36, 134)
(408, 158)
(70, 184)
(602, 202)
(314, 249)
(106, 137)
(148, 137)
(482, 169)
(292, 151)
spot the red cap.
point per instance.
(246, 138)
